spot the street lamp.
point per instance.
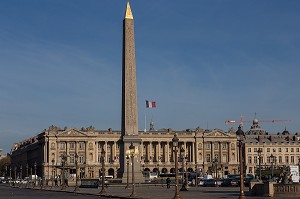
(175, 141)
(127, 163)
(102, 171)
(76, 182)
(34, 174)
(63, 162)
(183, 187)
(132, 150)
(240, 137)
(272, 158)
(52, 179)
(215, 167)
(259, 151)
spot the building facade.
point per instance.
(203, 151)
(270, 150)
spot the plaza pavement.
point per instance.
(146, 191)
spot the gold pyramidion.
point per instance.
(128, 13)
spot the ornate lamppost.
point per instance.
(63, 162)
(240, 137)
(34, 174)
(127, 163)
(183, 187)
(272, 158)
(76, 179)
(102, 171)
(52, 179)
(186, 173)
(259, 151)
(175, 141)
(132, 150)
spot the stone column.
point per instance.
(96, 152)
(212, 151)
(106, 152)
(150, 152)
(168, 152)
(142, 150)
(115, 151)
(86, 152)
(158, 151)
(229, 152)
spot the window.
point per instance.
(249, 150)
(224, 145)
(261, 159)
(268, 149)
(72, 145)
(216, 146)
(208, 145)
(292, 159)
(216, 157)
(268, 159)
(279, 150)
(255, 149)
(81, 145)
(280, 159)
(286, 149)
(249, 159)
(255, 159)
(250, 169)
(62, 145)
(297, 149)
(286, 159)
(224, 158)
(292, 149)
(207, 157)
(274, 150)
(81, 159)
(72, 159)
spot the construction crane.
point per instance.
(242, 121)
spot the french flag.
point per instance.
(150, 104)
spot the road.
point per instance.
(119, 192)
(7, 192)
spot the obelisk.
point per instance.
(129, 101)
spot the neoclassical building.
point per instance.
(206, 151)
(281, 149)
(202, 150)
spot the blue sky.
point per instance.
(203, 62)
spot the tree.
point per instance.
(4, 166)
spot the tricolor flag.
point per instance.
(150, 104)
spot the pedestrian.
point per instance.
(168, 182)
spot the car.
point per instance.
(230, 182)
(200, 182)
(210, 183)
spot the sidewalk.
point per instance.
(146, 191)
